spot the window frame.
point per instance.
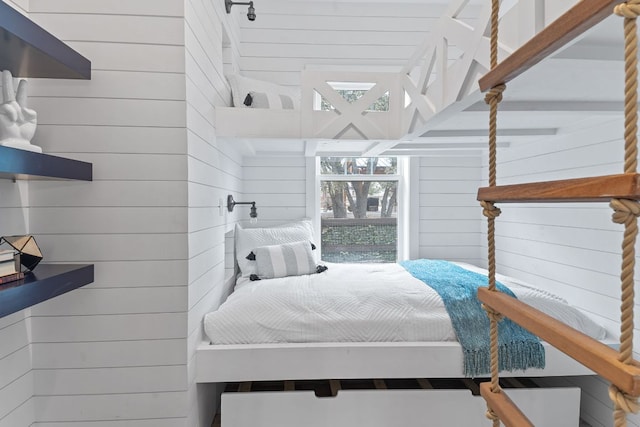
(344, 86)
(406, 170)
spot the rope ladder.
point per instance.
(621, 191)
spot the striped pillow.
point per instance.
(290, 259)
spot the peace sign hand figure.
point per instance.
(17, 122)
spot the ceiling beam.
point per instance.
(379, 148)
(568, 106)
(464, 133)
(446, 146)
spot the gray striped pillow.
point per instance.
(290, 259)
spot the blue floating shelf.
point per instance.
(28, 50)
(45, 282)
(22, 164)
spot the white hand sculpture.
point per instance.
(17, 122)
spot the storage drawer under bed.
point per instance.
(389, 403)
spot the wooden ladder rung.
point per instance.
(504, 407)
(590, 352)
(591, 189)
(581, 17)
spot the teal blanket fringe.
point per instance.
(518, 348)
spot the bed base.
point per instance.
(385, 402)
(269, 362)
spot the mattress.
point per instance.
(357, 303)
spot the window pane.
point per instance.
(358, 165)
(351, 96)
(359, 221)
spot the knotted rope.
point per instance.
(624, 402)
(491, 212)
(495, 93)
(493, 98)
(492, 415)
(627, 211)
(630, 11)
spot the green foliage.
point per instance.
(360, 257)
(369, 234)
(364, 242)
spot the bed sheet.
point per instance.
(356, 303)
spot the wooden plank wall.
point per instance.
(450, 218)
(573, 250)
(115, 350)
(16, 375)
(120, 351)
(278, 186)
(289, 36)
(214, 172)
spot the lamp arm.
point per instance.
(232, 203)
(229, 3)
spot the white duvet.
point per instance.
(356, 303)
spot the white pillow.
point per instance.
(289, 259)
(264, 94)
(248, 239)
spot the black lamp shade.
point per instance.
(28, 249)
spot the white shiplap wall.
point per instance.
(115, 351)
(573, 250)
(214, 171)
(450, 217)
(277, 185)
(120, 351)
(16, 375)
(289, 36)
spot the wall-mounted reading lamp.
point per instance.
(251, 13)
(253, 213)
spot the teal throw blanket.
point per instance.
(458, 287)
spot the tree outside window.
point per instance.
(352, 95)
(359, 209)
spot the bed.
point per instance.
(350, 321)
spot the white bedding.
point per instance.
(356, 303)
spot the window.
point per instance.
(351, 92)
(359, 208)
